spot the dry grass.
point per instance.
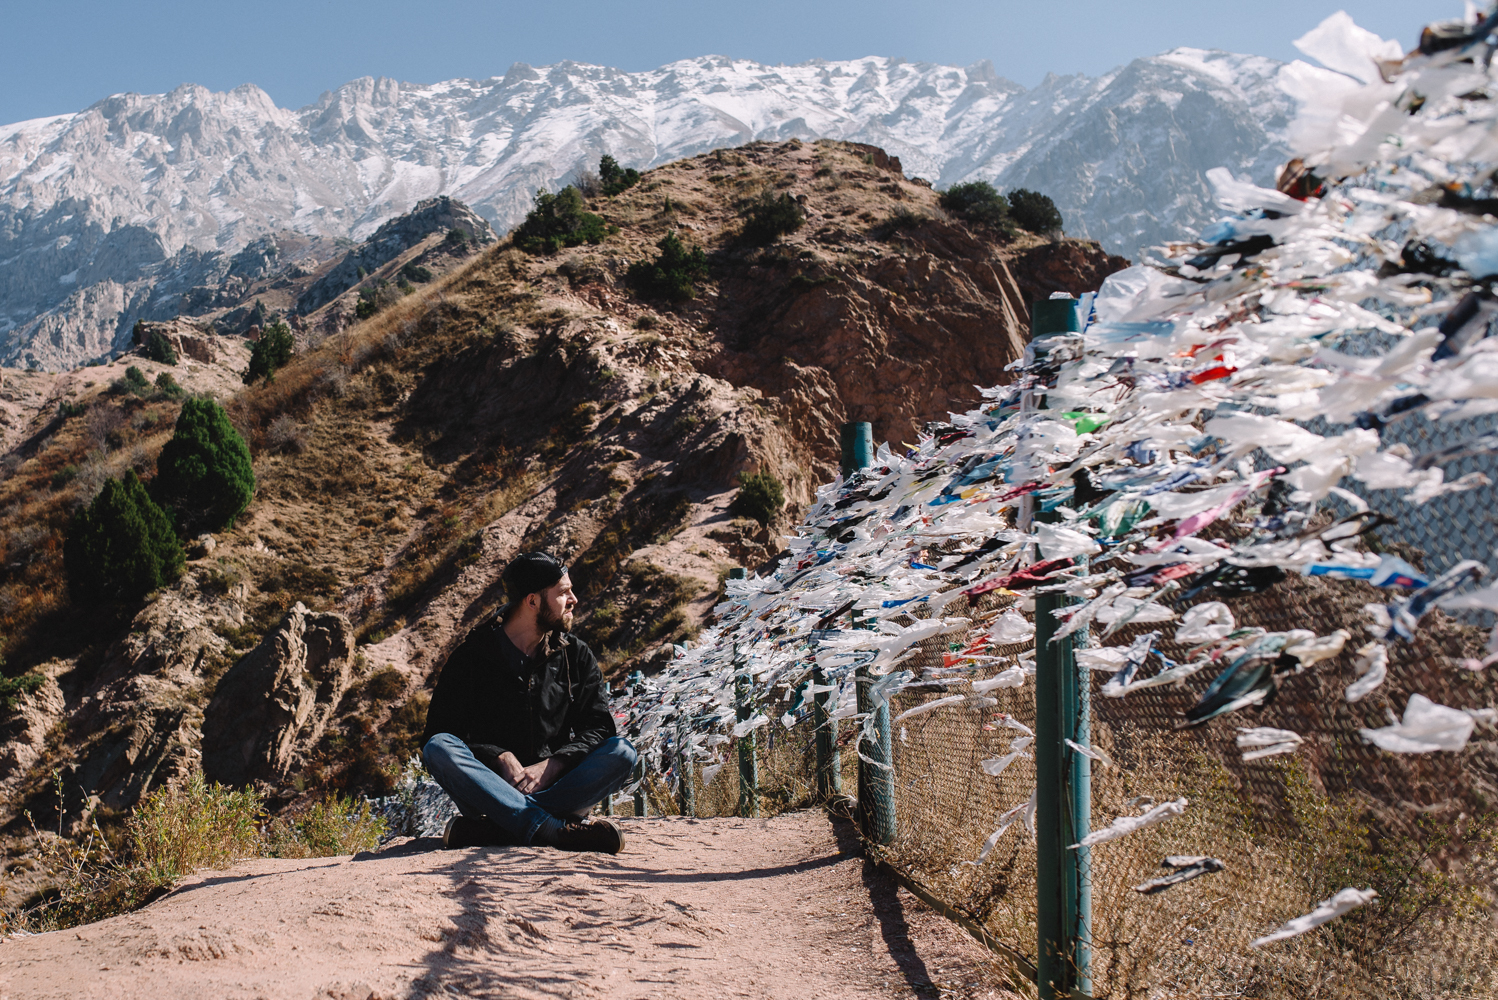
(172, 833)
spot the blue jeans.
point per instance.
(482, 794)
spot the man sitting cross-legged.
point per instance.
(519, 731)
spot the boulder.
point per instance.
(273, 704)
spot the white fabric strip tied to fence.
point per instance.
(1185, 398)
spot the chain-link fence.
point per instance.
(1257, 468)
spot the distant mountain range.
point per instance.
(116, 212)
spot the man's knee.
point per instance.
(621, 752)
(439, 749)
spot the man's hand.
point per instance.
(538, 777)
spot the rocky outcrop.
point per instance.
(435, 215)
(277, 700)
(187, 339)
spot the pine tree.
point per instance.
(273, 350)
(121, 546)
(204, 474)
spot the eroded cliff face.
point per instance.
(525, 402)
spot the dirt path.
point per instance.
(694, 908)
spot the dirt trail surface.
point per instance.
(781, 907)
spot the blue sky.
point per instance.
(63, 55)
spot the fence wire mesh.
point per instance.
(1234, 393)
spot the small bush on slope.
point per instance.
(977, 201)
(1034, 211)
(204, 474)
(767, 218)
(673, 274)
(614, 177)
(121, 546)
(560, 220)
(272, 351)
(760, 496)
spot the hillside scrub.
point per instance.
(614, 178)
(173, 832)
(204, 474)
(1034, 211)
(271, 352)
(121, 546)
(159, 349)
(977, 201)
(673, 274)
(768, 218)
(558, 221)
(760, 496)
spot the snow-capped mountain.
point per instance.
(108, 214)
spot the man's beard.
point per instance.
(546, 621)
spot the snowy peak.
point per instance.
(107, 194)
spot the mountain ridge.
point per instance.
(95, 206)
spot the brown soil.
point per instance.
(781, 907)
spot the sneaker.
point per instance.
(462, 831)
(598, 834)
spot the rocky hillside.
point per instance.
(519, 402)
(108, 214)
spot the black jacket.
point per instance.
(559, 708)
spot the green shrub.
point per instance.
(272, 351)
(63, 476)
(121, 546)
(761, 496)
(417, 273)
(614, 177)
(66, 409)
(368, 305)
(457, 237)
(767, 218)
(11, 688)
(175, 831)
(1034, 211)
(135, 382)
(334, 826)
(560, 220)
(671, 275)
(385, 685)
(204, 473)
(168, 386)
(976, 201)
(159, 349)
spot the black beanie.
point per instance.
(529, 573)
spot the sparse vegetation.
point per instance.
(159, 349)
(977, 201)
(270, 353)
(673, 274)
(1034, 211)
(614, 178)
(121, 546)
(769, 217)
(560, 220)
(11, 688)
(173, 832)
(204, 473)
(760, 496)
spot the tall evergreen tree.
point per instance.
(204, 473)
(121, 546)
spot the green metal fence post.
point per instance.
(637, 776)
(748, 765)
(829, 763)
(876, 781)
(684, 791)
(858, 446)
(1063, 778)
